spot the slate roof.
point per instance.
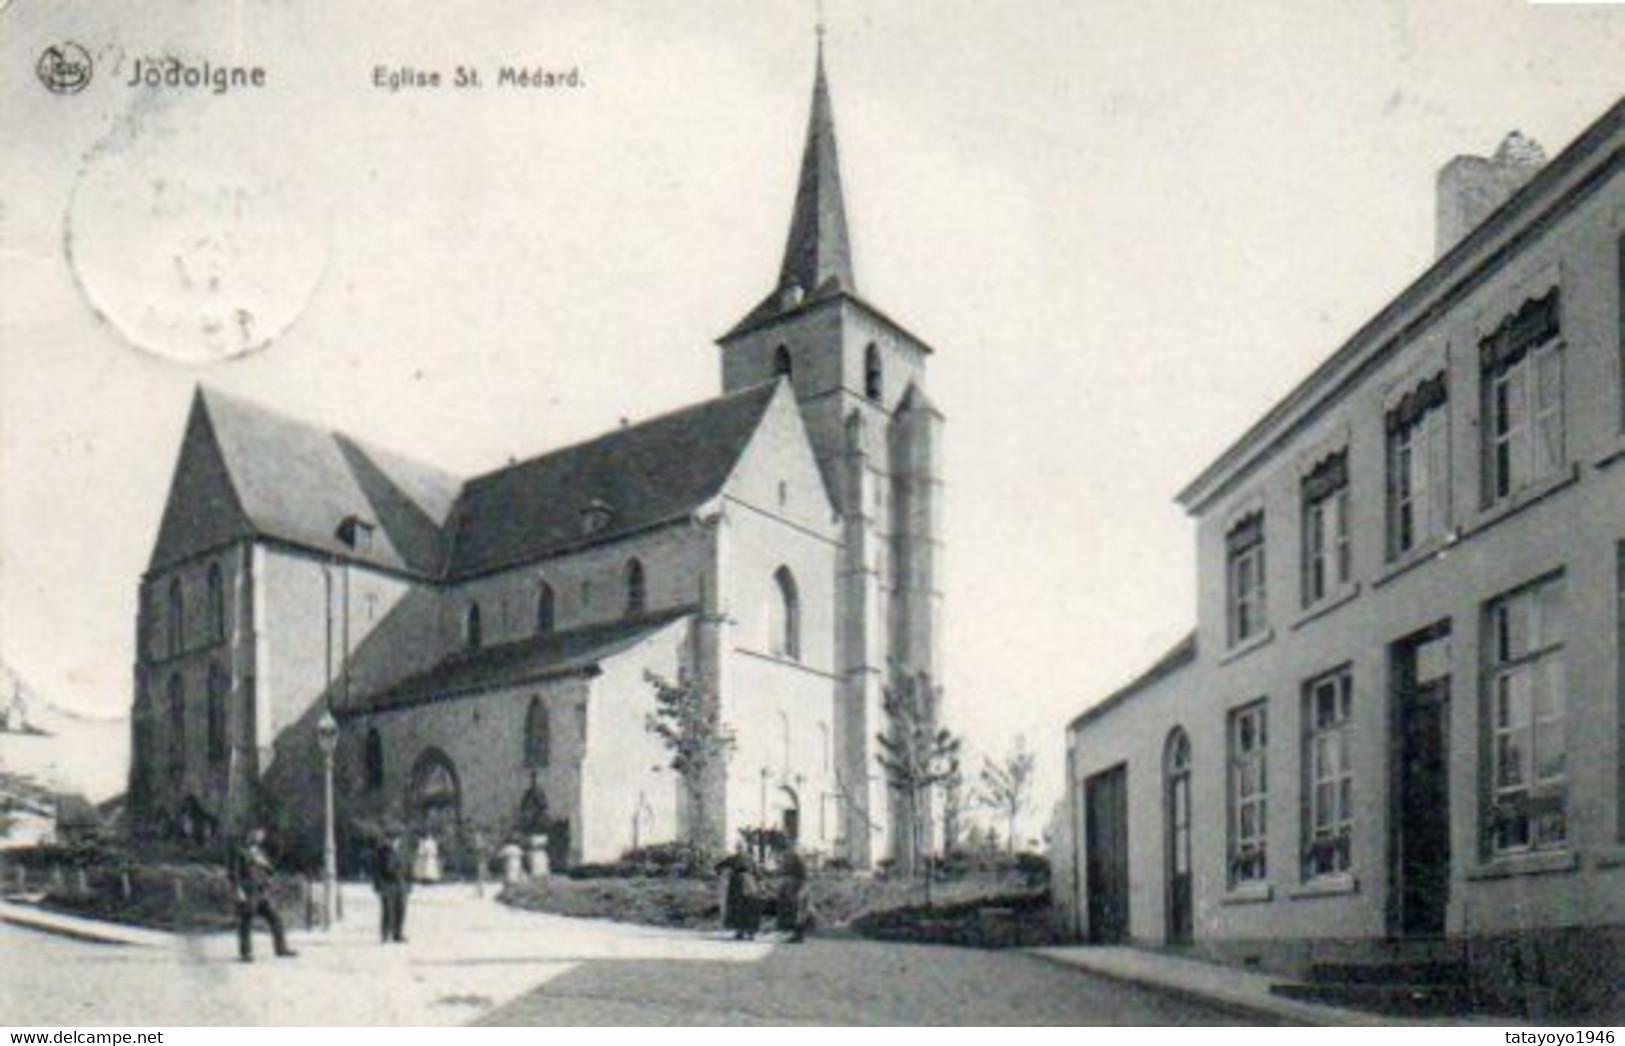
(642, 475)
(297, 482)
(555, 656)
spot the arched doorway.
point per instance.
(435, 798)
(1176, 769)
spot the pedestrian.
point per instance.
(426, 860)
(392, 879)
(742, 908)
(794, 908)
(252, 883)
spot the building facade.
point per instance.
(486, 644)
(1396, 729)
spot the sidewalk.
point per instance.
(94, 931)
(1238, 990)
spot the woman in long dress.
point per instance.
(742, 909)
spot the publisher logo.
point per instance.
(64, 68)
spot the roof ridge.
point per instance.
(621, 430)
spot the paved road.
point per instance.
(476, 961)
(848, 981)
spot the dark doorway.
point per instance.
(1176, 762)
(1421, 796)
(1106, 841)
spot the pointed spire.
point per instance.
(818, 249)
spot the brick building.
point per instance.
(484, 642)
(1396, 731)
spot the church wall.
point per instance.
(483, 735)
(297, 607)
(780, 707)
(627, 772)
(589, 587)
(173, 774)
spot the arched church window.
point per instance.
(472, 632)
(217, 604)
(637, 591)
(219, 684)
(873, 380)
(373, 761)
(538, 735)
(175, 620)
(177, 724)
(781, 361)
(546, 609)
(784, 616)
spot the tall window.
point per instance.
(1523, 399)
(1245, 578)
(546, 608)
(784, 617)
(1328, 778)
(1327, 552)
(781, 360)
(1249, 795)
(538, 735)
(873, 377)
(217, 604)
(637, 592)
(1419, 467)
(219, 686)
(175, 619)
(373, 761)
(177, 724)
(1527, 688)
(473, 632)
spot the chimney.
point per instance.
(1471, 187)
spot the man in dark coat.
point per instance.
(392, 879)
(795, 913)
(742, 908)
(251, 882)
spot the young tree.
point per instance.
(688, 722)
(1006, 785)
(916, 755)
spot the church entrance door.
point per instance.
(435, 799)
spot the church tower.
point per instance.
(859, 378)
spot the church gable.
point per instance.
(777, 472)
(202, 510)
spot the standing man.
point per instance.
(795, 911)
(251, 882)
(392, 879)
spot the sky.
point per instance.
(1127, 229)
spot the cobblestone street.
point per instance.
(471, 960)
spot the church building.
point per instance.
(485, 643)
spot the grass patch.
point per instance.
(178, 897)
(837, 900)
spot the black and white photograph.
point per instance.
(812, 513)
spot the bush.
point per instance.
(678, 859)
(1018, 920)
(186, 898)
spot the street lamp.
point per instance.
(327, 739)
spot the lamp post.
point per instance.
(327, 739)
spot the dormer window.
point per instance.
(595, 517)
(357, 533)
